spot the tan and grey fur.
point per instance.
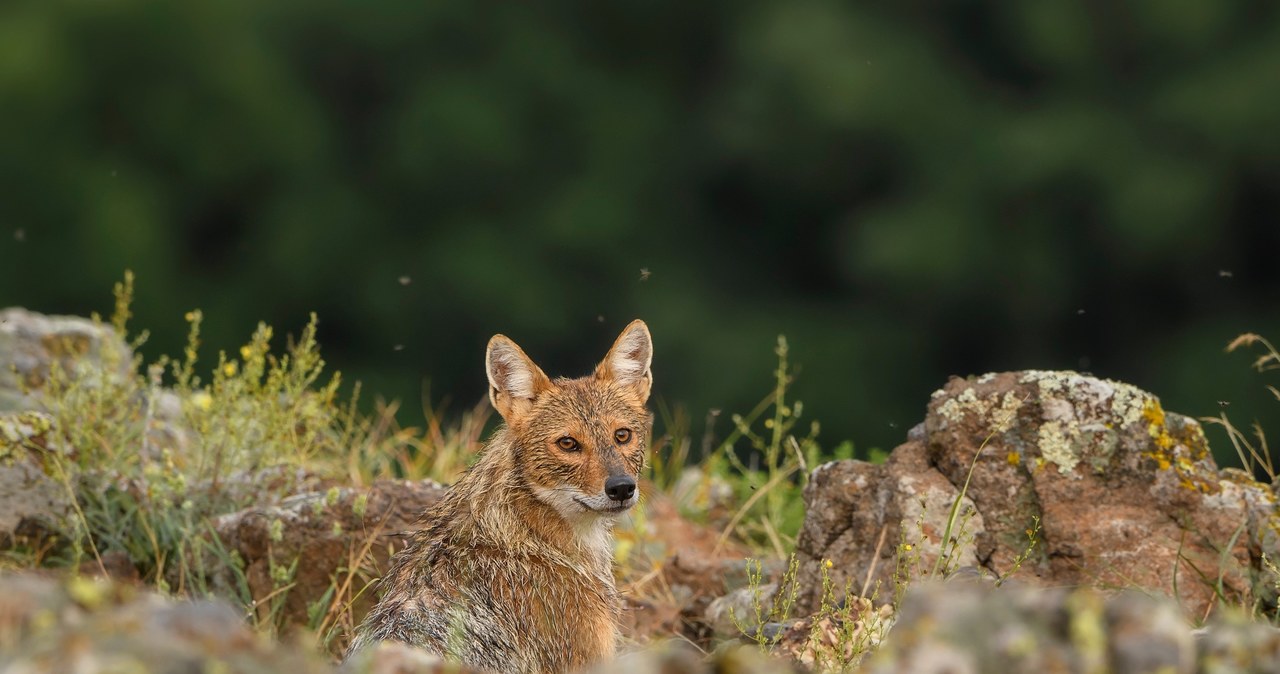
(514, 572)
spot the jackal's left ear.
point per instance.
(514, 380)
(628, 361)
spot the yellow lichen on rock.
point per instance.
(1177, 443)
(1154, 416)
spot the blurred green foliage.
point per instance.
(907, 190)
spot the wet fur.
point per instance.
(514, 572)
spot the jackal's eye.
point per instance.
(622, 435)
(568, 444)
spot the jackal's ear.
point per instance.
(514, 380)
(628, 361)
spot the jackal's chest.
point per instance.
(570, 619)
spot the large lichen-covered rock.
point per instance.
(1126, 495)
(32, 343)
(33, 501)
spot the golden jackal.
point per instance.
(514, 572)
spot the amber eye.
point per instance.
(568, 444)
(622, 435)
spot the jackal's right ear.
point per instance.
(514, 381)
(628, 361)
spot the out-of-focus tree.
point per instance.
(908, 190)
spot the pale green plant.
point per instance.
(1255, 455)
(765, 457)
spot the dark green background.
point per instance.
(908, 190)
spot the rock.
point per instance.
(83, 625)
(653, 618)
(33, 502)
(976, 627)
(111, 565)
(31, 343)
(674, 658)
(857, 514)
(734, 615)
(1235, 644)
(77, 624)
(337, 538)
(711, 496)
(973, 628)
(62, 380)
(1124, 493)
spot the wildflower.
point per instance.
(86, 591)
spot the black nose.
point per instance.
(620, 487)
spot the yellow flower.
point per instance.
(246, 352)
(229, 368)
(87, 592)
(202, 400)
(827, 563)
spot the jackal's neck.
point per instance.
(502, 510)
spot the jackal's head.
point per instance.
(579, 443)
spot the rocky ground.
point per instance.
(1146, 555)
